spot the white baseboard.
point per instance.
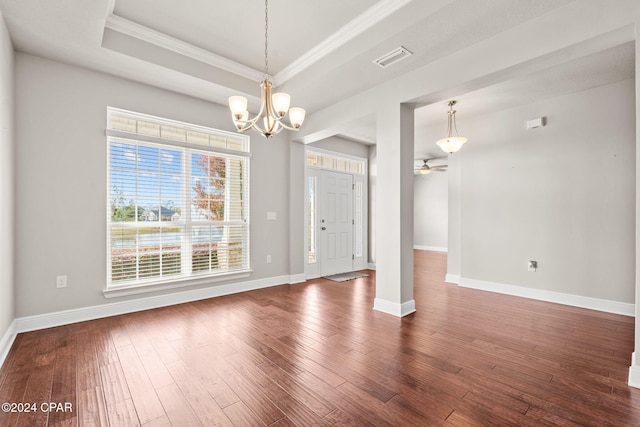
(371, 266)
(7, 341)
(394, 308)
(551, 296)
(49, 320)
(431, 248)
(452, 278)
(297, 278)
(634, 372)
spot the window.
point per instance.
(311, 208)
(177, 201)
(338, 164)
(358, 205)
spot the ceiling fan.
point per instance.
(425, 168)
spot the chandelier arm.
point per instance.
(282, 124)
(257, 128)
(249, 126)
(266, 132)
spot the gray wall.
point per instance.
(341, 145)
(61, 181)
(296, 229)
(563, 195)
(430, 207)
(7, 182)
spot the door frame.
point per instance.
(360, 246)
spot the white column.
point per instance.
(454, 238)
(634, 369)
(394, 211)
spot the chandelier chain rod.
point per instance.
(455, 127)
(266, 39)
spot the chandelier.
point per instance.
(273, 108)
(451, 144)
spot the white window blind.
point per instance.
(177, 201)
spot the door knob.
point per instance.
(323, 228)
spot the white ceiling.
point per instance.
(235, 29)
(319, 51)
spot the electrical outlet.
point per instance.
(532, 266)
(61, 281)
(268, 259)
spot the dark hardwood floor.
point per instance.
(317, 354)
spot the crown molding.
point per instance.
(348, 32)
(135, 30)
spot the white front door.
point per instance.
(335, 222)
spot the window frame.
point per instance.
(186, 223)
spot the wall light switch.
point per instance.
(271, 216)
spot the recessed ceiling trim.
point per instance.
(133, 29)
(111, 6)
(348, 32)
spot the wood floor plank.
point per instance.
(92, 410)
(114, 384)
(68, 422)
(122, 414)
(297, 389)
(143, 394)
(64, 384)
(205, 370)
(204, 405)
(254, 398)
(298, 413)
(154, 366)
(240, 415)
(159, 422)
(177, 407)
(12, 393)
(38, 391)
(105, 349)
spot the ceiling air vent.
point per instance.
(392, 57)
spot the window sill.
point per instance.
(122, 291)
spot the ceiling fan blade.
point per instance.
(440, 167)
